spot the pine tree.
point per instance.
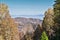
(48, 19)
(57, 18)
(8, 28)
(48, 23)
(44, 36)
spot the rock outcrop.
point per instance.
(28, 27)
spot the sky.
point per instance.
(28, 8)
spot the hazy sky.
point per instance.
(28, 7)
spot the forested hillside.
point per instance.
(20, 28)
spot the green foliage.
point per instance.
(57, 18)
(44, 36)
(57, 11)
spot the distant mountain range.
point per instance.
(27, 20)
(29, 16)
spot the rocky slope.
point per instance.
(27, 25)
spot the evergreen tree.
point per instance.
(37, 33)
(57, 18)
(48, 23)
(44, 36)
(8, 27)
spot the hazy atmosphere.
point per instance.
(28, 8)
